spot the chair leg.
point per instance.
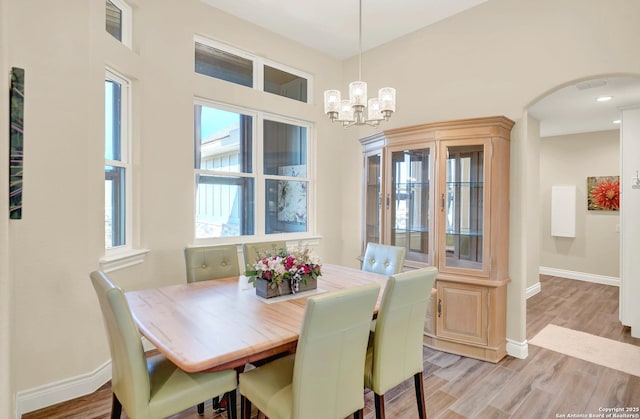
(379, 402)
(245, 407)
(201, 409)
(422, 409)
(116, 407)
(358, 414)
(232, 408)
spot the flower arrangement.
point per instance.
(295, 266)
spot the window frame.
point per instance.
(258, 67)
(127, 23)
(125, 158)
(259, 177)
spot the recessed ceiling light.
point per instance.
(604, 98)
(617, 121)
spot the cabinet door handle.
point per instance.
(439, 307)
(388, 200)
(442, 203)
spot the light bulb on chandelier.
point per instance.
(357, 110)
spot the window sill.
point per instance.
(122, 259)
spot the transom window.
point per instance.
(251, 173)
(226, 63)
(118, 20)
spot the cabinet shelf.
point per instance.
(464, 233)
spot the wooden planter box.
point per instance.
(265, 291)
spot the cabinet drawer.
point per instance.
(462, 312)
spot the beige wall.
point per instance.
(6, 390)
(568, 160)
(494, 59)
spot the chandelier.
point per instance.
(357, 110)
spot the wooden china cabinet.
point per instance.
(441, 190)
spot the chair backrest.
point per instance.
(130, 378)
(211, 262)
(398, 338)
(383, 259)
(252, 251)
(329, 359)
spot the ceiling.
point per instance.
(574, 108)
(331, 26)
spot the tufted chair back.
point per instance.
(383, 259)
(211, 262)
(251, 251)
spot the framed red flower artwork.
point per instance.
(603, 193)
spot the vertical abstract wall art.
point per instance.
(16, 142)
(603, 193)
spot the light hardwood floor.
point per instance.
(545, 385)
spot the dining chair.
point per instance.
(383, 259)
(252, 251)
(211, 262)
(150, 387)
(394, 353)
(322, 380)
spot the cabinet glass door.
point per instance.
(410, 202)
(373, 198)
(463, 206)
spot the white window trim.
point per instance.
(258, 65)
(127, 22)
(124, 251)
(260, 178)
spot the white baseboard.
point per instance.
(67, 389)
(533, 290)
(580, 276)
(518, 350)
(63, 390)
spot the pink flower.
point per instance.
(606, 195)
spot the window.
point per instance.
(214, 62)
(117, 176)
(232, 65)
(286, 181)
(285, 84)
(243, 158)
(118, 20)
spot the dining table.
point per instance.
(220, 324)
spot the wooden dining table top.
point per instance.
(219, 324)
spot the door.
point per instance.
(463, 221)
(462, 312)
(409, 202)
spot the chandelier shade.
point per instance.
(359, 109)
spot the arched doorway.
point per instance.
(570, 136)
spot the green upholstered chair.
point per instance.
(395, 353)
(383, 259)
(252, 251)
(149, 387)
(321, 380)
(211, 262)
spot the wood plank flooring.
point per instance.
(545, 385)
